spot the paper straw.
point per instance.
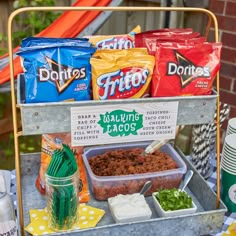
(203, 141)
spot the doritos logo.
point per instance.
(186, 70)
(60, 74)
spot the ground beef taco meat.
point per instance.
(130, 161)
(135, 168)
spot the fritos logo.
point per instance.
(186, 70)
(116, 43)
(61, 75)
(123, 83)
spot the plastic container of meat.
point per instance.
(104, 187)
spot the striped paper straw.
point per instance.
(203, 142)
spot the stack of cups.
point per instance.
(231, 128)
(228, 172)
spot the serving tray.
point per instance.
(207, 219)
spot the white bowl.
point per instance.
(129, 208)
(161, 212)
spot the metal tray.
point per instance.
(207, 219)
(39, 118)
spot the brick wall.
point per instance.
(225, 11)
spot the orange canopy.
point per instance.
(68, 25)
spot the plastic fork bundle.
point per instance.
(62, 179)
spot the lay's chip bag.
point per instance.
(122, 41)
(122, 77)
(57, 73)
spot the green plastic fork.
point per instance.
(64, 198)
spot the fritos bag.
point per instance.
(185, 68)
(122, 77)
(116, 54)
(122, 41)
(50, 142)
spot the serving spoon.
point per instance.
(145, 187)
(186, 180)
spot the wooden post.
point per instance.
(6, 7)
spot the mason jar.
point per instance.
(62, 201)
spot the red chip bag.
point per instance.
(185, 69)
(150, 41)
(140, 37)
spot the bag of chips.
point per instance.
(122, 41)
(123, 76)
(116, 54)
(140, 37)
(51, 142)
(185, 69)
(150, 40)
(43, 41)
(57, 73)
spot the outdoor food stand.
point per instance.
(57, 117)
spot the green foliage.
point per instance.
(32, 22)
(26, 24)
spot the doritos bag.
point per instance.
(57, 73)
(150, 40)
(185, 68)
(122, 41)
(43, 41)
(140, 37)
(122, 77)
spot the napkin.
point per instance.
(88, 218)
(231, 230)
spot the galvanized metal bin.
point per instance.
(39, 118)
(207, 219)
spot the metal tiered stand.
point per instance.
(40, 118)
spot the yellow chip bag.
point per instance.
(114, 54)
(122, 77)
(122, 41)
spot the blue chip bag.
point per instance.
(58, 73)
(43, 41)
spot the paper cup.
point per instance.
(228, 167)
(229, 162)
(228, 190)
(229, 150)
(230, 141)
(229, 156)
(232, 123)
